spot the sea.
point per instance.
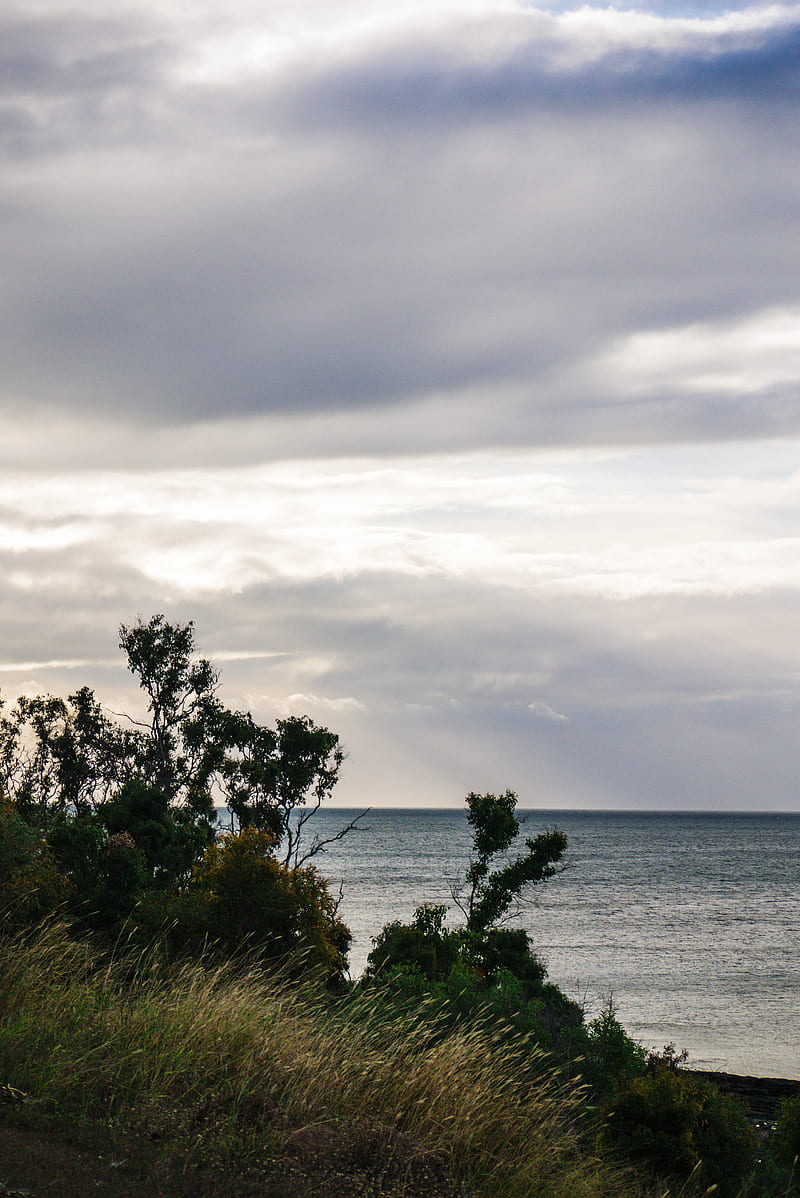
(687, 922)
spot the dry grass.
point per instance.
(237, 1067)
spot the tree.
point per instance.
(489, 895)
(31, 885)
(276, 780)
(117, 819)
(68, 759)
(179, 751)
(58, 755)
(481, 968)
(273, 780)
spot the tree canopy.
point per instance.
(71, 756)
(120, 809)
(485, 896)
(482, 965)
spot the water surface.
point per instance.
(689, 921)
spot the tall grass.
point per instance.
(234, 1063)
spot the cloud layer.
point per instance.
(441, 363)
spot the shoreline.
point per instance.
(762, 1095)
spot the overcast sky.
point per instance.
(440, 360)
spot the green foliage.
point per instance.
(274, 780)
(299, 1095)
(611, 1056)
(133, 842)
(424, 945)
(193, 743)
(31, 885)
(78, 845)
(785, 1139)
(167, 838)
(66, 759)
(480, 969)
(121, 878)
(490, 894)
(107, 872)
(59, 756)
(127, 811)
(241, 900)
(509, 951)
(681, 1126)
(177, 754)
(462, 975)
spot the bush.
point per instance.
(107, 872)
(611, 1056)
(785, 1139)
(681, 1126)
(463, 975)
(239, 899)
(169, 841)
(31, 884)
(424, 946)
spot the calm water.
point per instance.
(689, 921)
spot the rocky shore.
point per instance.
(762, 1095)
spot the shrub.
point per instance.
(462, 976)
(682, 1126)
(107, 872)
(239, 899)
(31, 884)
(169, 841)
(785, 1139)
(424, 945)
(611, 1056)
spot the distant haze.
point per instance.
(440, 361)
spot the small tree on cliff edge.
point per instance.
(486, 897)
(482, 967)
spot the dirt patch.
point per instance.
(40, 1164)
(43, 1164)
(319, 1162)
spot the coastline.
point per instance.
(761, 1095)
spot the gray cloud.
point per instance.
(72, 81)
(430, 681)
(330, 249)
(433, 83)
(184, 253)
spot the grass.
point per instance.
(236, 1069)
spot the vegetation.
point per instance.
(239, 897)
(162, 976)
(241, 1070)
(786, 1138)
(486, 896)
(681, 1126)
(31, 884)
(67, 758)
(677, 1129)
(115, 821)
(482, 966)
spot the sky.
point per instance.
(440, 361)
